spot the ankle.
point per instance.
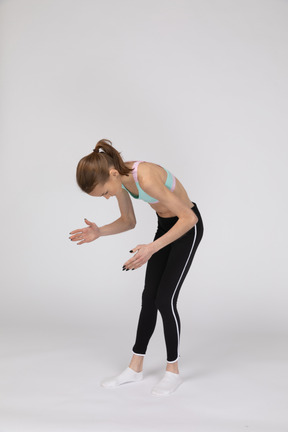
(136, 369)
(172, 367)
(136, 363)
(173, 371)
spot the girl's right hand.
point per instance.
(87, 234)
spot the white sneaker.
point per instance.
(127, 376)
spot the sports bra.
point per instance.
(170, 184)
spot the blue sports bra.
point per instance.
(170, 184)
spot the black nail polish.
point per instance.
(131, 251)
(127, 269)
(133, 269)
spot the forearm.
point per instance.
(118, 226)
(179, 229)
(144, 252)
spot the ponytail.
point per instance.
(93, 169)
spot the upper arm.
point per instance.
(126, 207)
(152, 184)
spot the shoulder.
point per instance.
(148, 170)
(150, 175)
(144, 167)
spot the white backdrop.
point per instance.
(200, 87)
(197, 86)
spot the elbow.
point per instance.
(131, 224)
(194, 218)
(194, 221)
(128, 223)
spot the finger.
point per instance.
(79, 239)
(133, 263)
(135, 249)
(76, 231)
(87, 221)
(133, 266)
(130, 262)
(76, 237)
(81, 242)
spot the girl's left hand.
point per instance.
(142, 255)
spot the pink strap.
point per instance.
(134, 172)
(173, 184)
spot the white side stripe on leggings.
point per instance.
(178, 335)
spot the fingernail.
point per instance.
(133, 269)
(131, 251)
(127, 269)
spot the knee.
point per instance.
(147, 297)
(162, 303)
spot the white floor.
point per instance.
(50, 382)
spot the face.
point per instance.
(110, 188)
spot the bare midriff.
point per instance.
(180, 192)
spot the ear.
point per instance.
(113, 172)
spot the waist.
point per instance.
(168, 222)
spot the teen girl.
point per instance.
(103, 173)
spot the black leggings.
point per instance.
(165, 273)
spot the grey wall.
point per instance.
(199, 87)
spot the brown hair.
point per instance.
(93, 169)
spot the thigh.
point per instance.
(155, 268)
(179, 261)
